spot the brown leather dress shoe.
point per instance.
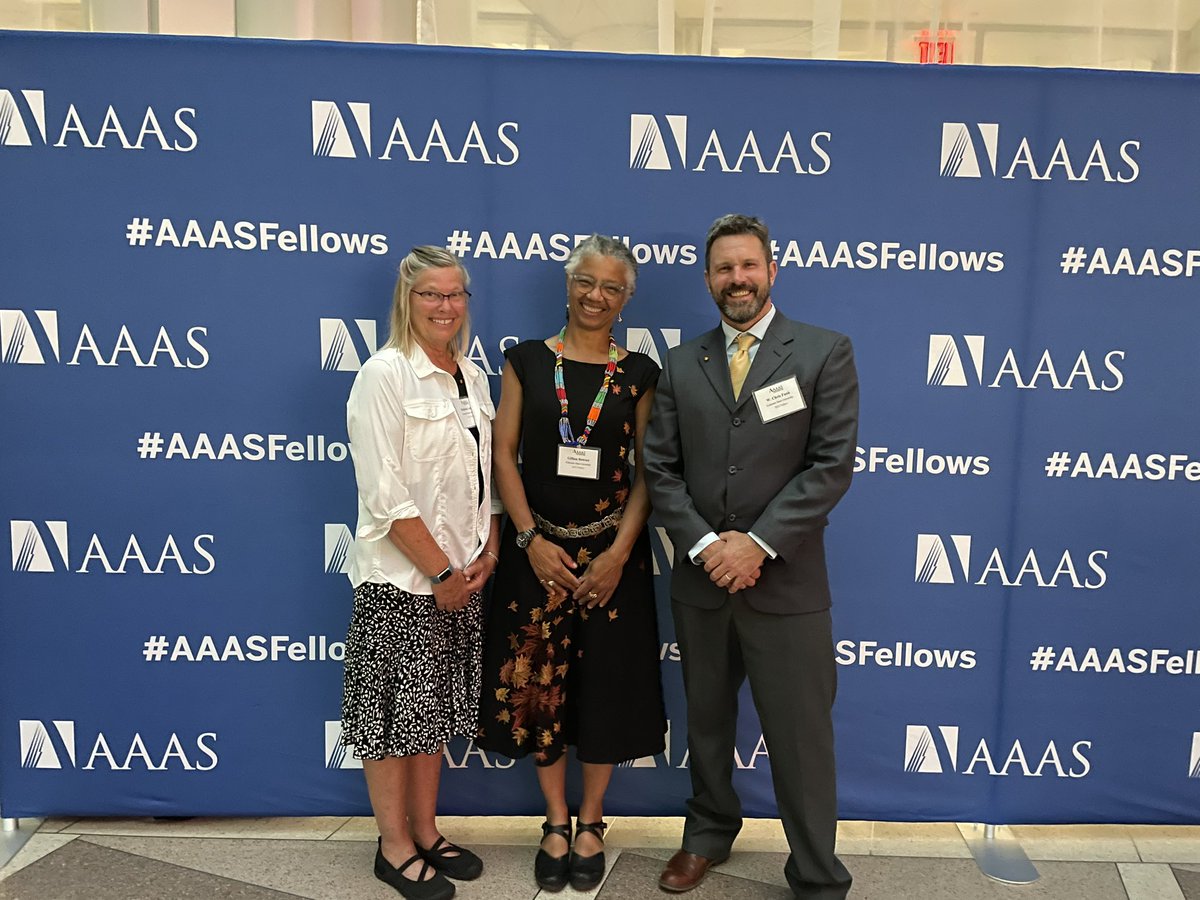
(686, 870)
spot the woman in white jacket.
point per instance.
(419, 419)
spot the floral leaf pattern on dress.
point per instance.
(539, 664)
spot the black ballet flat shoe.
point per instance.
(552, 872)
(436, 888)
(463, 866)
(587, 871)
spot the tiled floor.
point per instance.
(330, 857)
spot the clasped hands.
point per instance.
(556, 571)
(734, 561)
(455, 592)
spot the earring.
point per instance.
(619, 319)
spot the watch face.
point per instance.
(523, 538)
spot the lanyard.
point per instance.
(564, 424)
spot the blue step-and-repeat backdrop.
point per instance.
(199, 243)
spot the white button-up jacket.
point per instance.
(414, 457)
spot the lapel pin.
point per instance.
(706, 359)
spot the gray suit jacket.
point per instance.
(713, 465)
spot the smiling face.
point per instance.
(597, 291)
(436, 319)
(739, 277)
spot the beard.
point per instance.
(744, 310)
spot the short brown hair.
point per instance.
(736, 223)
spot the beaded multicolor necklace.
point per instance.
(564, 424)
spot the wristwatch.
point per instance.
(442, 575)
(524, 537)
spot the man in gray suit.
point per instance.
(750, 445)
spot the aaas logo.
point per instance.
(471, 753)
(949, 366)
(340, 755)
(935, 564)
(24, 344)
(649, 148)
(331, 137)
(55, 748)
(31, 545)
(338, 542)
(961, 144)
(91, 129)
(934, 750)
(921, 749)
(745, 755)
(642, 340)
(1194, 763)
(43, 748)
(337, 754)
(14, 130)
(666, 545)
(478, 354)
(969, 149)
(345, 347)
(29, 550)
(19, 345)
(343, 129)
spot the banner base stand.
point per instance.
(998, 854)
(13, 836)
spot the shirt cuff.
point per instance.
(694, 553)
(379, 525)
(766, 547)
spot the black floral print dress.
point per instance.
(555, 673)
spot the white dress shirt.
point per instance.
(759, 330)
(414, 456)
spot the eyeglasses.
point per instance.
(438, 296)
(585, 284)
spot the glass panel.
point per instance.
(63, 15)
(1153, 35)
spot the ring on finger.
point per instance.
(593, 594)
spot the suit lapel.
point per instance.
(715, 365)
(775, 350)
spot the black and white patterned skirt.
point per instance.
(412, 673)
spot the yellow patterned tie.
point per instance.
(739, 364)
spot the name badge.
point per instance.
(579, 462)
(780, 399)
(462, 406)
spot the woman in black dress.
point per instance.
(571, 650)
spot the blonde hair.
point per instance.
(419, 260)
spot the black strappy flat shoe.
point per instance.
(552, 872)
(435, 888)
(452, 860)
(587, 871)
